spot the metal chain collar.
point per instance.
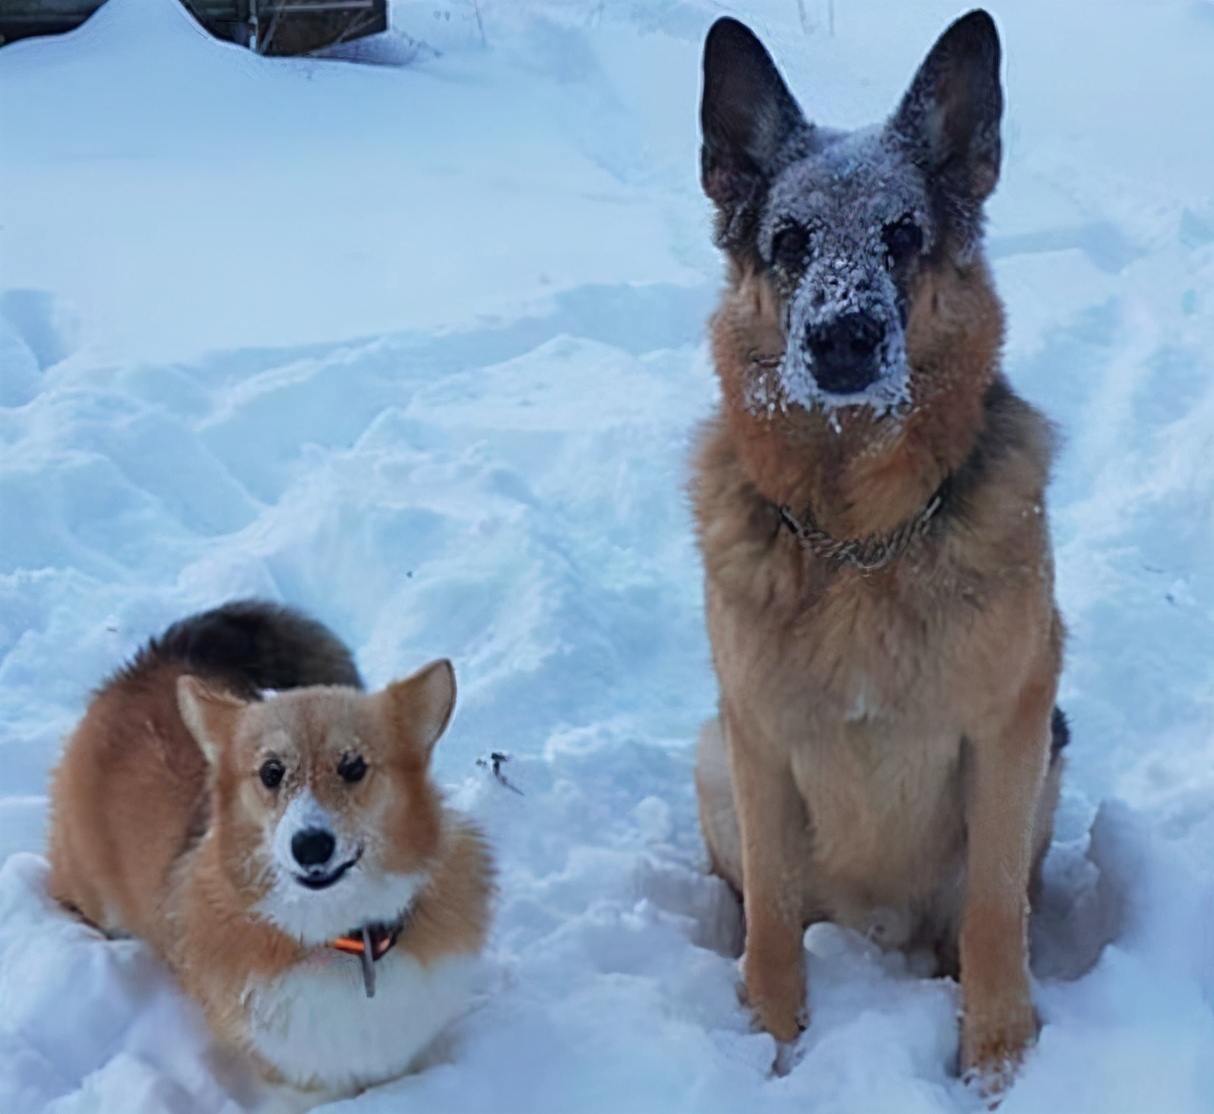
(866, 554)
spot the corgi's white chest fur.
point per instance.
(317, 1026)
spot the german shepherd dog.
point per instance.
(870, 506)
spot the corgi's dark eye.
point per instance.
(352, 767)
(903, 239)
(271, 773)
(789, 247)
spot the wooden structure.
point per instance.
(268, 26)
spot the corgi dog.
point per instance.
(870, 502)
(234, 798)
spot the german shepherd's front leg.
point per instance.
(1009, 762)
(776, 850)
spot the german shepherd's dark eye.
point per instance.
(903, 239)
(351, 767)
(789, 247)
(271, 773)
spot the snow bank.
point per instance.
(419, 348)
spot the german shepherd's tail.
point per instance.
(251, 645)
(1060, 733)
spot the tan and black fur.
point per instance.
(883, 756)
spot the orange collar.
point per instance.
(370, 943)
(378, 939)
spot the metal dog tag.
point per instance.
(368, 958)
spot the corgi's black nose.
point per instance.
(312, 847)
(846, 352)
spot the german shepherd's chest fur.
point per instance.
(849, 688)
(864, 683)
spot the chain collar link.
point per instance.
(871, 553)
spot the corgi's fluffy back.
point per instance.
(131, 793)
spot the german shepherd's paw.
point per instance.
(776, 998)
(993, 1047)
(788, 1055)
(783, 1023)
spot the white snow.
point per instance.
(419, 348)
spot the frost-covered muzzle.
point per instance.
(842, 232)
(844, 348)
(842, 225)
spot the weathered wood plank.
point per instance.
(282, 26)
(77, 11)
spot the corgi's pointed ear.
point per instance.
(751, 126)
(420, 706)
(210, 715)
(950, 115)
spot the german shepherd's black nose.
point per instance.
(845, 352)
(312, 847)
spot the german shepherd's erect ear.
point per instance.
(752, 128)
(950, 117)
